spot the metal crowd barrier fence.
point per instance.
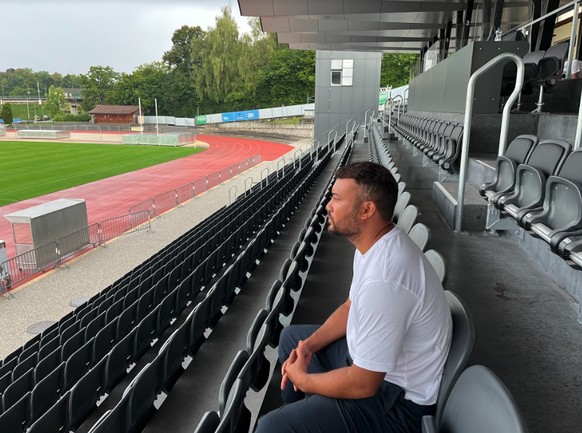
(49, 256)
(170, 199)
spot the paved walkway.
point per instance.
(114, 196)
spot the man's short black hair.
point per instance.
(377, 184)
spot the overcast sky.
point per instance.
(70, 36)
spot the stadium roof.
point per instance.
(114, 109)
(374, 25)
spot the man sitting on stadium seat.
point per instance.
(375, 364)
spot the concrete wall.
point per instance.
(443, 88)
(336, 104)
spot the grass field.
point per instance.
(30, 169)
(19, 110)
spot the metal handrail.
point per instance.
(467, 123)
(366, 121)
(295, 157)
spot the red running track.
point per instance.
(114, 196)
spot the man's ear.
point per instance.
(369, 209)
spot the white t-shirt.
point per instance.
(399, 320)
(576, 67)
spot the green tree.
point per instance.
(6, 114)
(56, 102)
(97, 86)
(147, 82)
(396, 69)
(180, 55)
(218, 75)
(289, 78)
(183, 59)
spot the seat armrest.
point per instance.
(429, 424)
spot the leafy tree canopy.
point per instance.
(396, 69)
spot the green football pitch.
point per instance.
(30, 169)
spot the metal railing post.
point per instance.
(347, 123)
(328, 134)
(295, 157)
(262, 176)
(366, 122)
(230, 193)
(282, 160)
(578, 138)
(467, 123)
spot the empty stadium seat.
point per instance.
(17, 389)
(209, 422)
(420, 235)
(408, 218)
(86, 393)
(143, 391)
(517, 153)
(561, 212)
(55, 419)
(238, 362)
(16, 418)
(47, 391)
(545, 160)
(479, 403)
(462, 343)
(236, 416)
(401, 204)
(438, 263)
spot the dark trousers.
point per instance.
(385, 412)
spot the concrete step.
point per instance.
(444, 195)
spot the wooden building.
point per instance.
(123, 114)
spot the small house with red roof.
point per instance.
(122, 114)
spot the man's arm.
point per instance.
(350, 382)
(332, 330)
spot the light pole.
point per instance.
(27, 109)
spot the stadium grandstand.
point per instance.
(485, 146)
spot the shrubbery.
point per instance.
(67, 117)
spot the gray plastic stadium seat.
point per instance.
(517, 153)
(236, 416)
(438, 263)
(479, 403)
(461, 346)
(562, 209)
(420, 235)
(545, 160)
(401, 204)
(17, 418)
(208, 423)
(240, 359)
(408, 218)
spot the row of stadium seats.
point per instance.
(539, 185)
(117, 326)
(461, 391)
(439, 140)
(249, 369)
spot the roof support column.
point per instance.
(468, 22)
(458, 30)
(548, 28)
(486, 27)
(447, 40)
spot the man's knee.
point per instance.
(290, 337)
(269, 423)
